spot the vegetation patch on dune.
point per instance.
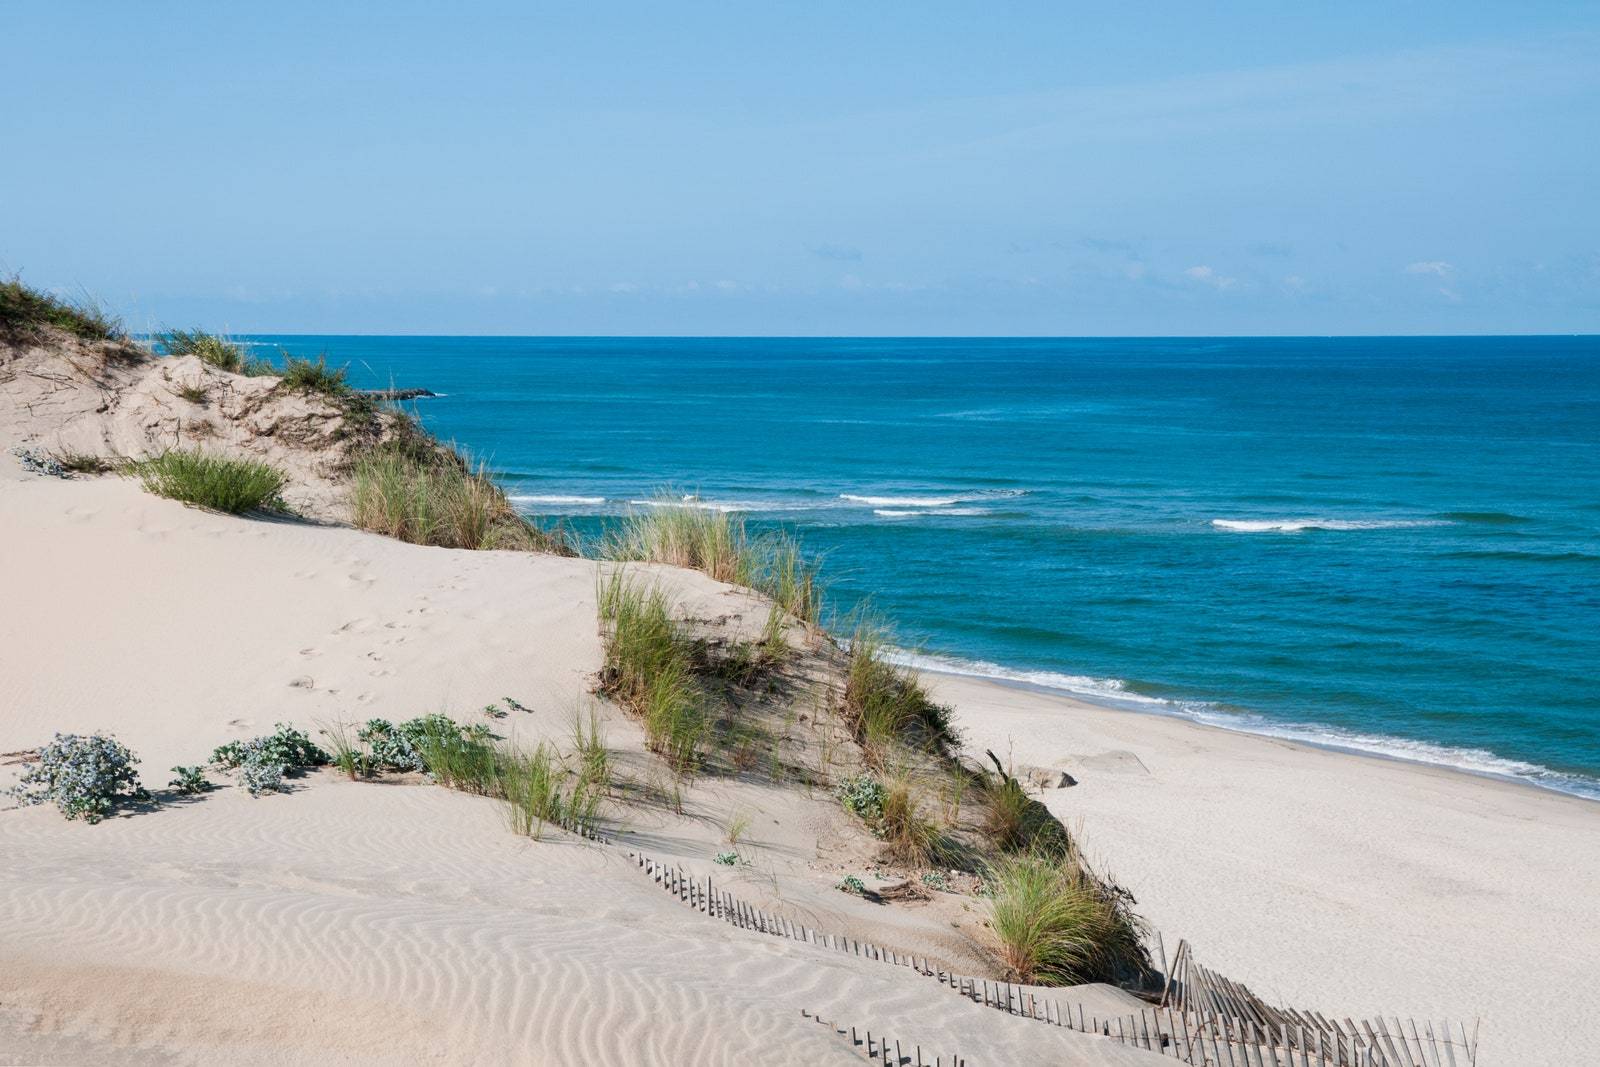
(650, 669)
(85, 776)
(721, 545)
(1058, 925)
(886, 705)
(26, 311)
(221, 483)
(430, 495)
(213, 350)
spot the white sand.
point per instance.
(392, 922)
(386, 922)
(1353, 885)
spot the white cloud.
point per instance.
(1207, 276)
(1436, 267)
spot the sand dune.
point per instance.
(390, 922)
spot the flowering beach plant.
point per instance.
(85, 776)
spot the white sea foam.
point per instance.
(1114, 692)
(893, 513)
(1299, 525)
(927, 501)
(730, 506)
(554, 498)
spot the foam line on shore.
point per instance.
(1113, 692)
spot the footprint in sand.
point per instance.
(309, 652)
(305, 681)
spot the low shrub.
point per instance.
(190, 780)
(286, 746)
(727, 859)
(85, 776)
(852, 885)
(259, 768)
(220, 483)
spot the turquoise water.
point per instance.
(1386, 544)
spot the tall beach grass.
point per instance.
(649, 668)
(1055, 924)
(432, 496)
(885, 703)
(718, 543)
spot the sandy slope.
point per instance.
(1350, 884)
(387, 922)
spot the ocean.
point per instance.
(1390, 545)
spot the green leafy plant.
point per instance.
(727, 859)
(190, 780)
(286, 746)
(852, 885)
(862, 795)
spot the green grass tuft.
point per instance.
(650, 669)
(315, 376)
(885, 704)
(720, 545)
(434, 497)
(26, 311)
(1056, 925)
(212, 349)
(220, 483)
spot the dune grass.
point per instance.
(213, 350)
(1055, 924)
(909, 836)
(458, 759)
(315, 376)
(1016, 822)
(221, 483)
(885, 704)
(719, 544)
(435, 497)
(650, 669)
(25, 310)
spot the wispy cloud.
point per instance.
(1437, 267)
(1208, 276)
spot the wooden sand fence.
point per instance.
(1201, 1018)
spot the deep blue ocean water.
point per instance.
(1386, 544)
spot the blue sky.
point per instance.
(825, 168)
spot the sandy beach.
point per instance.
(1354, 883)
